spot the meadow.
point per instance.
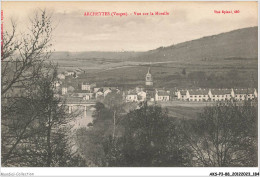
(225, 73)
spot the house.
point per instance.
(198, 95)
(88, 86)
(85, 86)
(57, 84)
(216, 94)
(182, 94)
(64, 90)
(93, 85)
(61, 76)
(96, 89)
(221, 94)
(69, 73)
(108, 88)
(85, 95)
(107, 91)
(245, 94)
(78, 71)
(162, 95)
(98, 94)
(131, 96)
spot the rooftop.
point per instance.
(244, 91)
(163, 93)
(220, 91)
(199, 92)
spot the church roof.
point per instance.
(149, 72)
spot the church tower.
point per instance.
(148, 79)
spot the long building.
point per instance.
(217, 94)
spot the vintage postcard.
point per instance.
(129, 84)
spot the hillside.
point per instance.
(225, 60)
(241, 43)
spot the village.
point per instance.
(170, 87)
(89, 92)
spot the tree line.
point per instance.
(224, 135)
(34, 120)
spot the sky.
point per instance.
(186, 21)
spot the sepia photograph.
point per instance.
(129, 84)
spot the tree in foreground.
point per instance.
(114, 102)
(149, 139)
(224, 136)
(35, 129)
(22, 65)
(90, 140)
(52, 145)
(39, 126)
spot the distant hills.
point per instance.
(241, 43)
(226, 60)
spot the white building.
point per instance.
(221, 94)
(245, 94)
(162, 96)
(85, 95)
(85, 86)
(69, 73)
(96, 89)
(217, 94)
(99, 94)
(61, 76)
(131, 96)
(107, 91)
(198, 95)
(57, 84)
(64, 90)
(182, 94)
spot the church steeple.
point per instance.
(148, 78)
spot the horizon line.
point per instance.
(121, 51)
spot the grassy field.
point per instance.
(227, 74)
(185, 110)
